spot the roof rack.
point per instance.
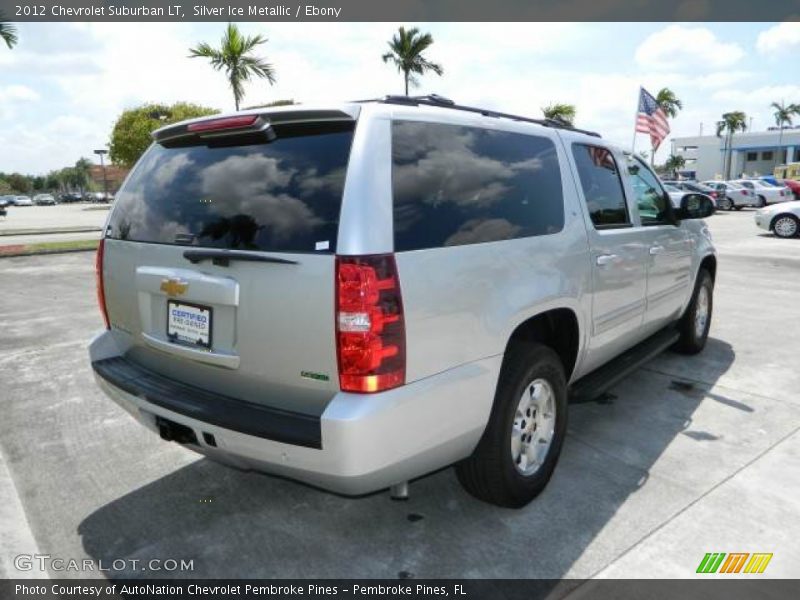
(442, 102)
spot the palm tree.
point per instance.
(669, 102)
(236, 58)
(405, 53)
(8, 33)
(80, 173)
(674, 162)
(560, 112)
(731, 123)
(783, 116)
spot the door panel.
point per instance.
(618, 253)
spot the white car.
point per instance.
(766, 193)
(782, 219)
(675, 194)
(23, 201)
(732, 195)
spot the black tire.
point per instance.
(490, 474)
(762, 202)
(693, 341)
(727, 203)
(738, 207)
(782, 232)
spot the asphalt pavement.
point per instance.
(688, 455)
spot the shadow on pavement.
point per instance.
(235, 524)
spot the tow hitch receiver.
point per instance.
(175, 432)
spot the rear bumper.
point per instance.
(366, 442)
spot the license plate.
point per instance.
(189, 324)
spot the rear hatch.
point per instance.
(219, 255)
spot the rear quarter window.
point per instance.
(281, 196)
(455, 185)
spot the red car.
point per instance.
(793, 185)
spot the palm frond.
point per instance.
(8, 33)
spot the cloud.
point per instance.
(688, 48)
(18, 93)
(783, 38)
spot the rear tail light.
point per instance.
(98, 271)
(744, 193)
(370, 329)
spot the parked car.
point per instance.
(3, 204)
(693, 186)
(731, 195)
(23, 201)
(782, 219)
(69, 197)
(676, 195)
(424, 289)
(766, 193)
(100, 197)
(44, 200)
(793, 185)
(7, 200)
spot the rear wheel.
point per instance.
(726, 203)
(762, 202)
(696, 321)
(786, 226)
(520, 447)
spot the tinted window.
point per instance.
(602, 186)
(283, 195)
(460, 185)
(654, 207)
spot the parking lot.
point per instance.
(688, 455)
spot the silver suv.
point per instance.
(357, 295)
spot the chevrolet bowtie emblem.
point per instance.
(174, 287)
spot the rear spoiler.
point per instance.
(253, 126)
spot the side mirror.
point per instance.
(695, 206)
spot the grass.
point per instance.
(48, 247)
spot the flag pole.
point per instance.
(635, 121)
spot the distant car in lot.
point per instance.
(693, 186)
(765, 192)
(792, 185)
(782, 219)
(676, 195)
(23, 201)
(44, 200)
(98, 197)
(70, 197)
(7, 200)
(732, 196)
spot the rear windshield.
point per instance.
(280, 196)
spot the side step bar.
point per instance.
(596, 383)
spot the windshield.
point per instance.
(281, 196)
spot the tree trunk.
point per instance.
(405, 73)
(780, 147)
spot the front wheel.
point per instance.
(786, 226)
(696, 321)
(521, 444)
(762, 202)
(726, 204)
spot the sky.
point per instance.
(64, 85)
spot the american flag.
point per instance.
(651, 119)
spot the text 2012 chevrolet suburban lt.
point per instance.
(357, 295)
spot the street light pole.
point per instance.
(102, 153)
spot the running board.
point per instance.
(597, 382)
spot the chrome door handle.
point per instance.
(654, 250)
(606, 259)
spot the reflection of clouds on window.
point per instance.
(477, 231)
(311, 182)
(164, 174)
(253, 185)
(453, 183)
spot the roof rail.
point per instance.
(442, 102)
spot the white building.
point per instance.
(752, 153)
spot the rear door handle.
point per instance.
(654, 250)
(606, 259)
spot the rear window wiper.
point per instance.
(222, 257)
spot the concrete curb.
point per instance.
(17, 535)
(50, 230)
(38, 252)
